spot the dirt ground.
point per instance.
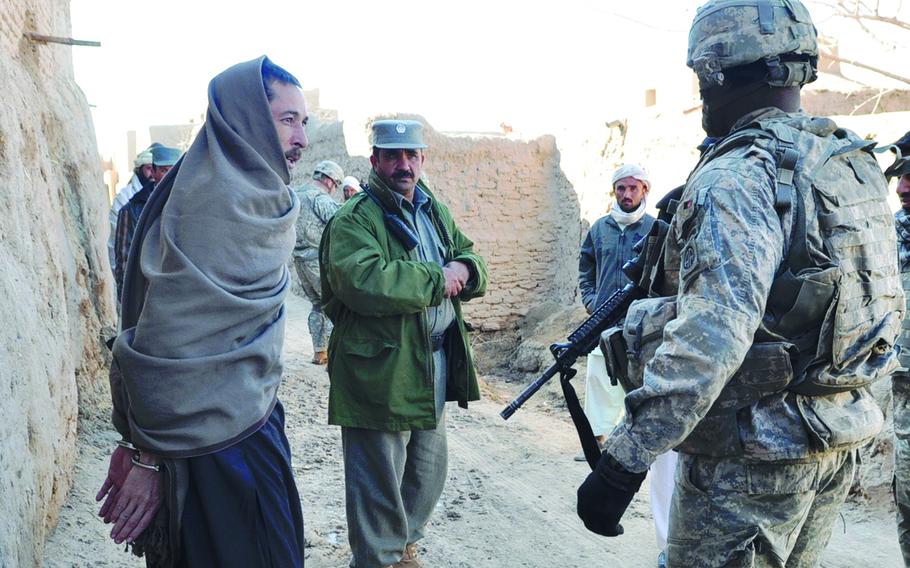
(509, 500)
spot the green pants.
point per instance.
(900, 389)
(727, 512)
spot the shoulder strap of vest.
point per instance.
(786, 156)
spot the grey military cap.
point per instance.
(398, 134)
(165, 156)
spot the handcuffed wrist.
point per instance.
(149, 466)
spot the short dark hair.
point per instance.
(272, 73)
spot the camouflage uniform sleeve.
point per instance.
(325, 207)
(731, 245)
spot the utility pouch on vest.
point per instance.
(766, 369)
(613, 348)
(628, 348)
(841, 420)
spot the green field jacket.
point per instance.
(376, 293)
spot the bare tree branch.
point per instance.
(876, 97)
(861, 65)
(860, 11)
(883, 19)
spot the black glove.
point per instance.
(605, 495)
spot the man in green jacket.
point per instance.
(395, 270)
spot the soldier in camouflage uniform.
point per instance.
(316, 208)
(777, 304)
(900, 381)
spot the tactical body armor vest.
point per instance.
(834, 311)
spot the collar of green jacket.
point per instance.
(382, 192)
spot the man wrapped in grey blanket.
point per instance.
(198, 361)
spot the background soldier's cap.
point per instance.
(398, 134)
(165, 156)
(903, 144)
(901, 165)
(330, 169)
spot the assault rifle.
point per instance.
(585, 339)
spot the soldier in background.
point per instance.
(316, 208)
(900, 381)
(778, 304)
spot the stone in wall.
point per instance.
(55, 284)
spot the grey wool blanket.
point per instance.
(202, 308)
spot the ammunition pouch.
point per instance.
(766, 369)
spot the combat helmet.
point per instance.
(730, 34)
(329, 169)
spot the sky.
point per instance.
(465, 66)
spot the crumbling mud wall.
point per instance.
(55, 288)
(510, 197)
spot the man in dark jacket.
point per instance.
(395, 269)
(606, 249)
(163, 159)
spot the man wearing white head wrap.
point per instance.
(349, 187)
(607, 247)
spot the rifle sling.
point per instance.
(589, 444)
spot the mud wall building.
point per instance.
(55, 288)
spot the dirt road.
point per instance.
(509, 501)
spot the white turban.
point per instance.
(632, 171)
(351, 181)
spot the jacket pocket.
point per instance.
(367, 372)
(367, 348)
